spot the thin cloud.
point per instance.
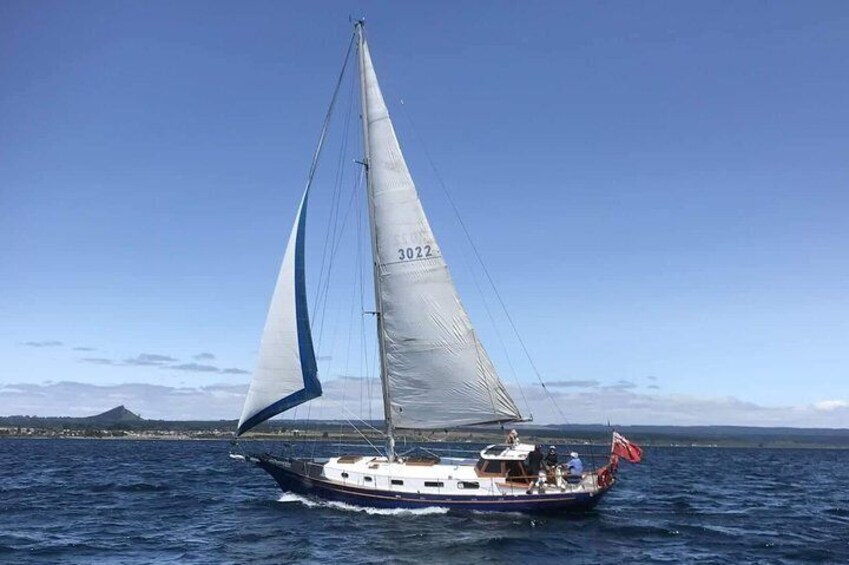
(352, 377)
(621, 385)
(573, 384)
(84, 349)
(164, 362)
(147, 359)
(48, 343)
(97, 361)
(194, 368)
(17, 389)
(143, 360)
(830, 405)
(653, 387)
(203, 368)
(204, 357)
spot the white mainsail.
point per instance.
(286, 374)
(438, 373)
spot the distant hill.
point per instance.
(118, 415)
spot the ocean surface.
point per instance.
(115, 501)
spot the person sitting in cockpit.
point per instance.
(575, 467)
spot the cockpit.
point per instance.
(507, 461)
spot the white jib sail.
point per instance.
(438, 372)
(286, 374)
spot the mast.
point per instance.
(378, 302)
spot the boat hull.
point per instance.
(303, 477)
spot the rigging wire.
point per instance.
(335, 240)
(330, 236)
(331, 244)
(351, 323)
(480, 260)
(361, 369)
(357, 273)
(331, 263)
(367, 362)
(366, 424)
(320, 146)
(313, 167)
(362, 435)
(500, 339)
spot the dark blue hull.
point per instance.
(304, 478)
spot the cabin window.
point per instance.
(344, 475)
(469, 484)
(397, 482)
(434, 484)
(367, 479)
(515, 470)
(492, 467)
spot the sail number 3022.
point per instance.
(408, 253)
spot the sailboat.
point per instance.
(435, 373)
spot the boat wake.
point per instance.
(290, 497)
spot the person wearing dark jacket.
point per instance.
(551, 458)
(534, 464)
(535, 459)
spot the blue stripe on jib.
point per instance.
(305, 348)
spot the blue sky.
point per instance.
(659, 191)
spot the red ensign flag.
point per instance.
(625, 449)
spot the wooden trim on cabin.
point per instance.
(421, 463)
(490, 475)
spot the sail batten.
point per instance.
(437, 372)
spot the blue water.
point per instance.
(68, 501)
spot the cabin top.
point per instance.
(504, 452)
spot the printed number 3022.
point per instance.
(414, 253)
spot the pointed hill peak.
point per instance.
(117, 415)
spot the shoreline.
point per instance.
(545, 441)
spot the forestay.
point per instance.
(286, 374)
(439, 374)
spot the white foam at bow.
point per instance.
(309, 503)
